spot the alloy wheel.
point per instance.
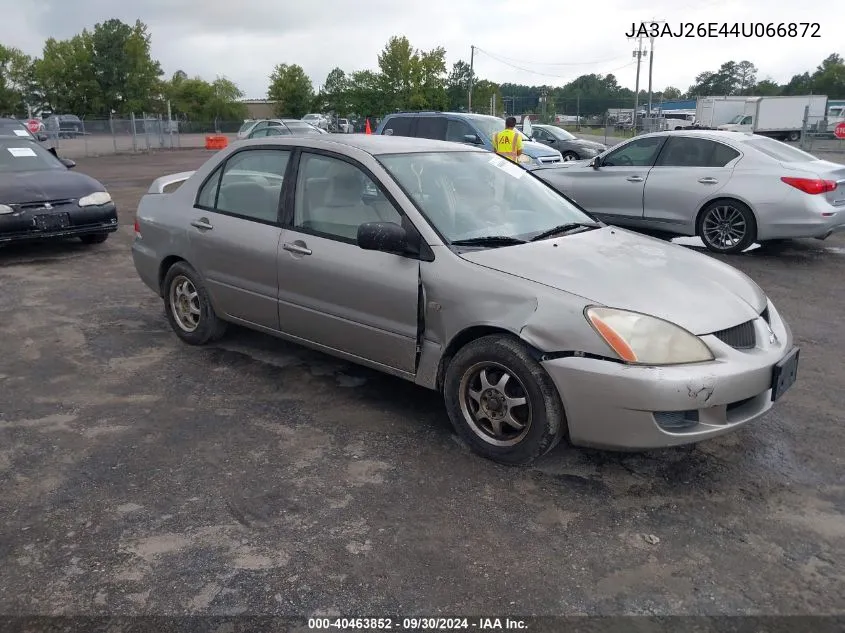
(724, 227)
(185, 303)
(495, 404)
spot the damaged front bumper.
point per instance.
(611, 405)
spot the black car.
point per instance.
(64, 125)
(41, 198)
(571, 147)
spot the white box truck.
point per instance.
(711, 112)
(778, 117)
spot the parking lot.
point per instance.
(142, 475)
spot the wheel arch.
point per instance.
(468, 335)
(166, 264)
(726, 198)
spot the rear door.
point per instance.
(399, 126)
(614, 191)
(234, 234)
(689, 172)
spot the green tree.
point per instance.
(671, 93)
(334, 95)
(125, 70)
(67, 77)
(767, 88)
(396, 63)
(829, 78)
(799, 85)
(482, 92)
(457, 85)
(18, 88)
(291, 89)
(365, 95)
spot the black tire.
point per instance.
(543, 417)
(209, 326)
(568, 156)
(793, 136)
(94, 238)
(711, 214)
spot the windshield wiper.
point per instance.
(564, 228)
(489, 240)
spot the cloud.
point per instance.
(547, 43)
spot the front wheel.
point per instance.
(727, 227)
(188, 307)
(793, 136)
(501, 402)
(569, 156)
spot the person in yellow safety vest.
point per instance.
(508, 142)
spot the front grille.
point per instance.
(742, 336)
(546, 160)
(39, 206)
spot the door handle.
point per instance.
(708, 181)
(203, 224)
(635, 178)
(299, 249)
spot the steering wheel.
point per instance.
(625, 161)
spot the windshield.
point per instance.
(475, 194)
(559, 133)
(780, 151)
(737, 118)
(310, 117)
(246, 126)
(10, 127)
(17, 156)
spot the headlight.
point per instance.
(646, 340)
(4, 209)
(96, 198)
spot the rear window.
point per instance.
(301, 128)
(780, 151)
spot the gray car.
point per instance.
(730, 189)
(278, 127)
(571, 147)
(460, 271)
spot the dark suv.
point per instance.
(460, 127)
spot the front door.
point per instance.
(333, 293)
(689, 172)
(615, 190)
(234, 235)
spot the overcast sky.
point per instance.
(548, 42)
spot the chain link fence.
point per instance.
(142, 133)
(818, 137)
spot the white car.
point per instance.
(317, 120)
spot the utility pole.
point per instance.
(471, 75)
(639, 55)
(650, 67)
(578, 109)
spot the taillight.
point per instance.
(137, 228)
(813, 186)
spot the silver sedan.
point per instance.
(728, 188)
(460, 271)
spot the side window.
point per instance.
(433, 127)
(333, 198)
(260, 133)
(208, 194)
(252, 183)
(260, 126)
(398, 126)
(637, 153)
(747, 120)
(542, 135)
(683, 151)
(456, 131)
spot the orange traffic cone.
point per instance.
(368, 129)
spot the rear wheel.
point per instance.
(570, 156)
(793, 136)
(188, 307)
(727, 226)
(94, 238)
(501, 402)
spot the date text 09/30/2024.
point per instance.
(724, 29)
(416, 624)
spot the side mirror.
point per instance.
(472, 138)
(42, 137)
(70, 164)
(387, 237)
(596, 162)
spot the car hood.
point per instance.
(620, 269)
(579, 142)
(42, 186)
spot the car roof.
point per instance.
(714, 135)
(374, 144)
